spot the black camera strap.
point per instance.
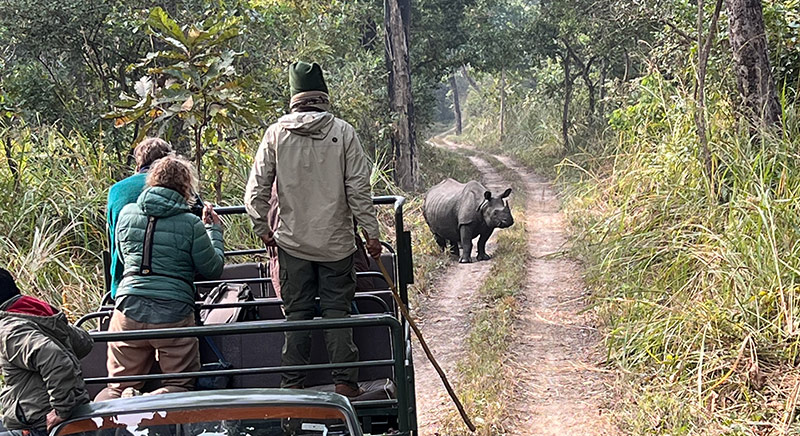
(146, 268)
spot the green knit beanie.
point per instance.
(304, 77)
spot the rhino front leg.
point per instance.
(466, 244)
(482, 246)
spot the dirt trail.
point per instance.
(444, 318)
(560, 389)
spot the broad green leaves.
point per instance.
(192, 88)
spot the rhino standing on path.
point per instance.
(457, 212)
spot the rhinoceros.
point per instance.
(457, 212)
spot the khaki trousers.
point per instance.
(173, 355)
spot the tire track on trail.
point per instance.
(560, 388)
(444, 317)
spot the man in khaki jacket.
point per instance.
(322, 175)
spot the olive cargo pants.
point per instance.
(335, 285)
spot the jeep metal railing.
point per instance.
(398, 360)
(107, 310)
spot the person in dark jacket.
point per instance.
(39, 357)
(126, 191)
(157, 290)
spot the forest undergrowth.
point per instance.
(696, 280)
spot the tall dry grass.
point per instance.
(696, 279)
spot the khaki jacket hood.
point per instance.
(317, 125)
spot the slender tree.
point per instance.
(502, 103)
(456, 103)
(704, 49)
(400, 98)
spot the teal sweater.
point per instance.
(182, 246)
(121, 194)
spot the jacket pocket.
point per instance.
(19, 413)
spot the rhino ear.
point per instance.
(487, 195)
(506, 193)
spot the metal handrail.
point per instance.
(245, 252)
(274, 326)
(272, 301)
(241, 371)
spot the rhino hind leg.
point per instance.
(482, 246)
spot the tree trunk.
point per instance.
(502, 104)
(590, 88)
(753, 73)
(400, 98)
(602, 85)
(704, 49)
(218, 186)
(219, 169)
(456, 104)
(198, 150)
(567, 99)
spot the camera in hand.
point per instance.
(198, 205)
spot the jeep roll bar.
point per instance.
(403, 406)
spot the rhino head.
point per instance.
(495, 210)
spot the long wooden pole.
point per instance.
(407, 315)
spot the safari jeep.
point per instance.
(245, 399)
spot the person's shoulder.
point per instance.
(133, 179)
(130, 209)
(343, 124)
(274, 128)
(11, 323)
(128, 186)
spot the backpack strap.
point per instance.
(214, 349)
(147, 254)
(146, 268)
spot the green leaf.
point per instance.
(160, 21)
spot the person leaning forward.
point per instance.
(39, 357)
(322, 175)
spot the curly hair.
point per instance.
(150, 150)
(174, 173)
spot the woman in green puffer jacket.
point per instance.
(157, 290)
